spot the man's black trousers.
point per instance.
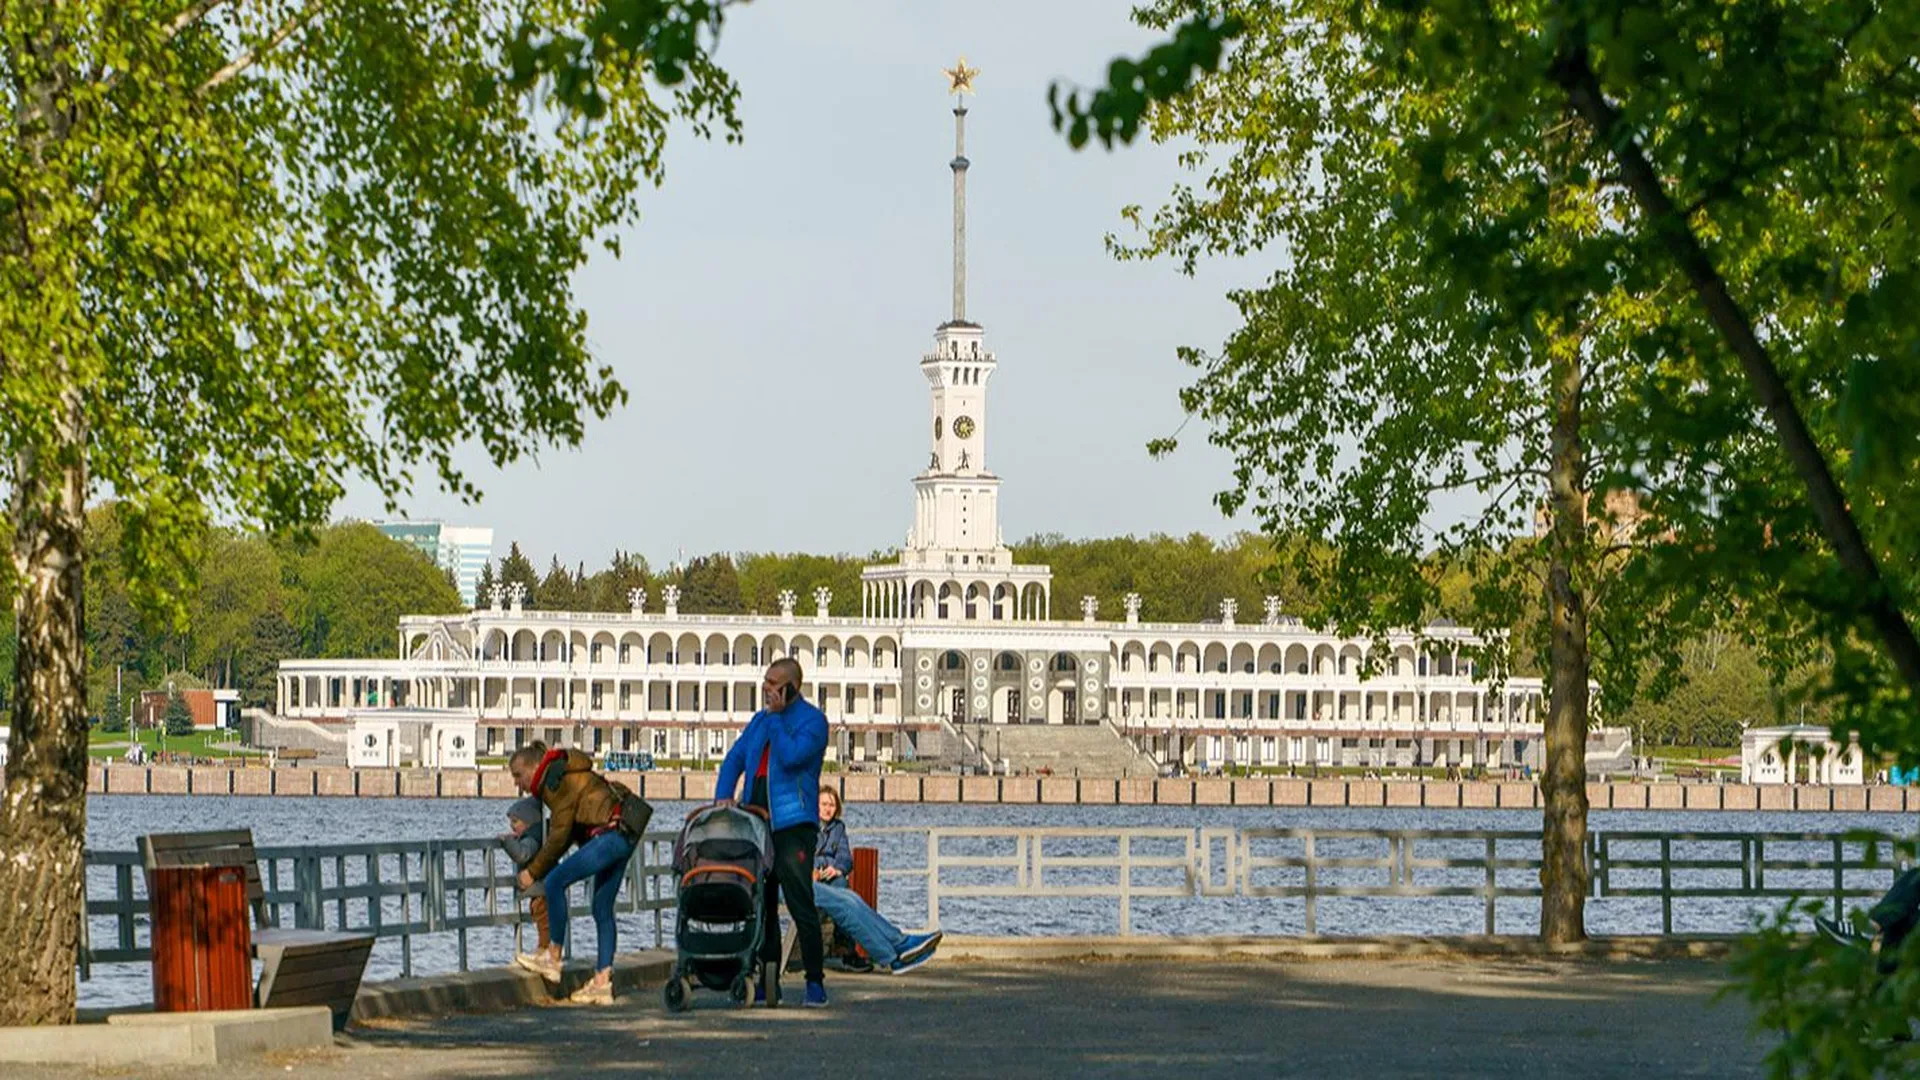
(792, 876)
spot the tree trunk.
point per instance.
(43, 815)
(43, 806)
(1563, 787)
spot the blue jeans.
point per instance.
(869, 928)
(604, 859)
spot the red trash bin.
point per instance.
(202, 938)
(865, 879)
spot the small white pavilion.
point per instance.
(427, 738)
(1798, 754)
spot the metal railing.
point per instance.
(404, 890)
(1315, 866)
(392, 890)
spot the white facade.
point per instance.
(954, 634)
(429, 739)
(1799, 754)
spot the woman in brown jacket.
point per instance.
(583, 809)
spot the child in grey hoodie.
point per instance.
(522, 843)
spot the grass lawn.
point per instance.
(208, 744)
(1694, 753)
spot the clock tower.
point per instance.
(955, 564)
(959, 500)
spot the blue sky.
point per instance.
(773, 303)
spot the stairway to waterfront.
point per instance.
(1090, 749)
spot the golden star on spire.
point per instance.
(961, 76)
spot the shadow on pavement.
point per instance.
(1326, 1018)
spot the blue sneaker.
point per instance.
(916, 948)
(816, 995)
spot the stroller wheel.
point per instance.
(741, 992)
(676, 995)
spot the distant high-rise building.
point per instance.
(464, 550)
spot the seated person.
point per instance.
(885, 945)
(1893, 919)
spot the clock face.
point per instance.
(963, 427)
(936, 428)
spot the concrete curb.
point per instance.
(500, 989)
(1001, 949)
(150, 1039)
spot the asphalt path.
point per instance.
(1372, 1018)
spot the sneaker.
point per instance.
(906, 964)
(859, 965)
(915, 945)
(541, 964)
(594, 992)
(1838, 933)
(816, 995)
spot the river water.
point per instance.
(114, 822)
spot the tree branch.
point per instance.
(253, 56)
(1574, 72)
(1510, 475)
(190, 16)
(193, 14)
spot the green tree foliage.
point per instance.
(1756, 167)
(558, 591)
(355, 585)
(1179, 579)
(239, 584)
(483, 586)
(271, 638)
(517, 569)
(113, 712)
(764, 576)
(1366, 386)
(610, 589)
(709, 584)
(178, 718)
(1723, 688)
(249, 252)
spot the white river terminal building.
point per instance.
(953, 640)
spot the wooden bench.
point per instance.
(865, 882)
(298, 967)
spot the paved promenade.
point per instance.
(1451, 1017)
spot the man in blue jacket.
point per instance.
(779, 756)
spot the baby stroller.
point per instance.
(722, 859)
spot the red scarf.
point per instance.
(540, 772)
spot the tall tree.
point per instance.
(1760, 162)
(558, 591)
(177, 719)
(710, 585)
(610, 589)
(239, 582)
(1368, 393)
(483, 588)
(517, 569)
(271, 638)
(248, 252)
(356, 585)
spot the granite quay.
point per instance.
(344, 782)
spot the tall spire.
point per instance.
(960, 80)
